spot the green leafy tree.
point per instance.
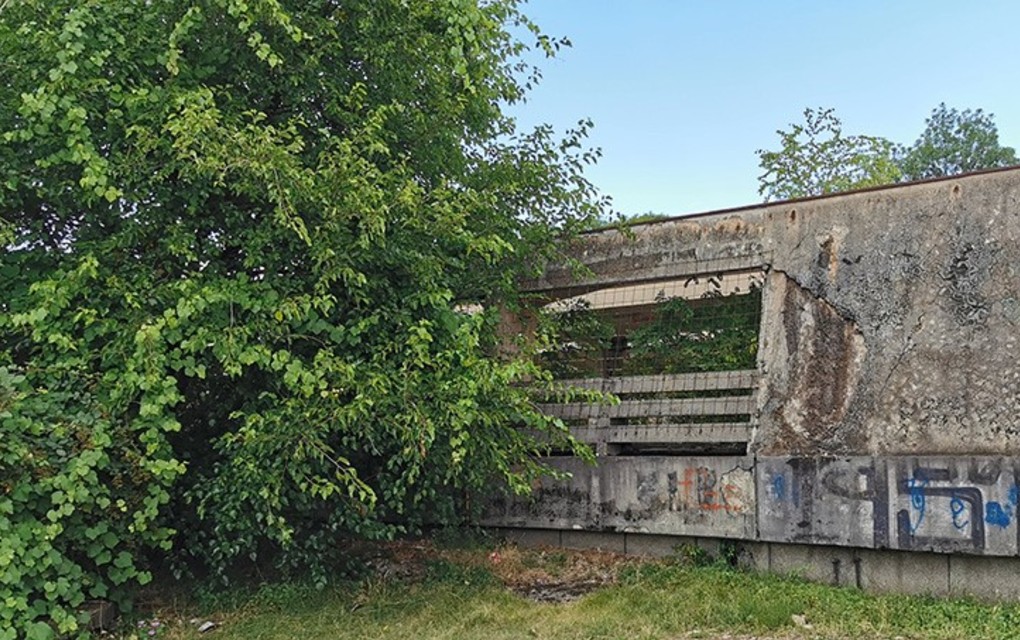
(581, 338)
(815, 158)
(956, 142)
(238, 238)
(715, 333)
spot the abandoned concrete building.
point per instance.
(828, 386)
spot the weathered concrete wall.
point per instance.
(709, 496)
(943, 504)
(889, 386)
(913, 295)
(660, 251)
(946, 504)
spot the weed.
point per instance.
(693, 555)
(460, 595)
(729, 554)
(444, 571)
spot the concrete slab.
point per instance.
(829, 501)
(959, 504)
(553, 504)
(828, 565)
(599, 540)
(914, 573)
(985, 578)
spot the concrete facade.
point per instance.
(885, 451)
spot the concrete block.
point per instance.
(659, 546)
(531, 537)
(985, 578)
(711, 546)
(600, 540)
(754, 556)
(915, 573)
(828, 565)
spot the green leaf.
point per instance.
(123, 560)
(39, 631)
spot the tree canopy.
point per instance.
(240, 238)
(815, 158)
(956, 142)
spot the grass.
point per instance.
(463, 594)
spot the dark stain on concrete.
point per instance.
(823, 348)
(964, 273)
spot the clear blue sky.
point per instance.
(683, 92)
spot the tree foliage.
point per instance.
(714, 333)
(238, 240)
(956, 142)
(815, 158)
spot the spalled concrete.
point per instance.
(925, 278)
(822, 351)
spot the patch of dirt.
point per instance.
(542, 574)
(557, 591)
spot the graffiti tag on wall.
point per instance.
(932, 504)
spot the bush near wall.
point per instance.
(236, 238)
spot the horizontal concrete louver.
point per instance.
(663, 413)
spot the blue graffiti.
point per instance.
(996, 515)
(1001, 515)
(918, 500)
(779, 487)
(958, 507)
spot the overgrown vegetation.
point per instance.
(482, 594)
(716, 333)
(713, 333)
(237, 240)
(816, 158)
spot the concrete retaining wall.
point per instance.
(965, 505)
(880, 571)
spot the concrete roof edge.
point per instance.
(829, 196)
